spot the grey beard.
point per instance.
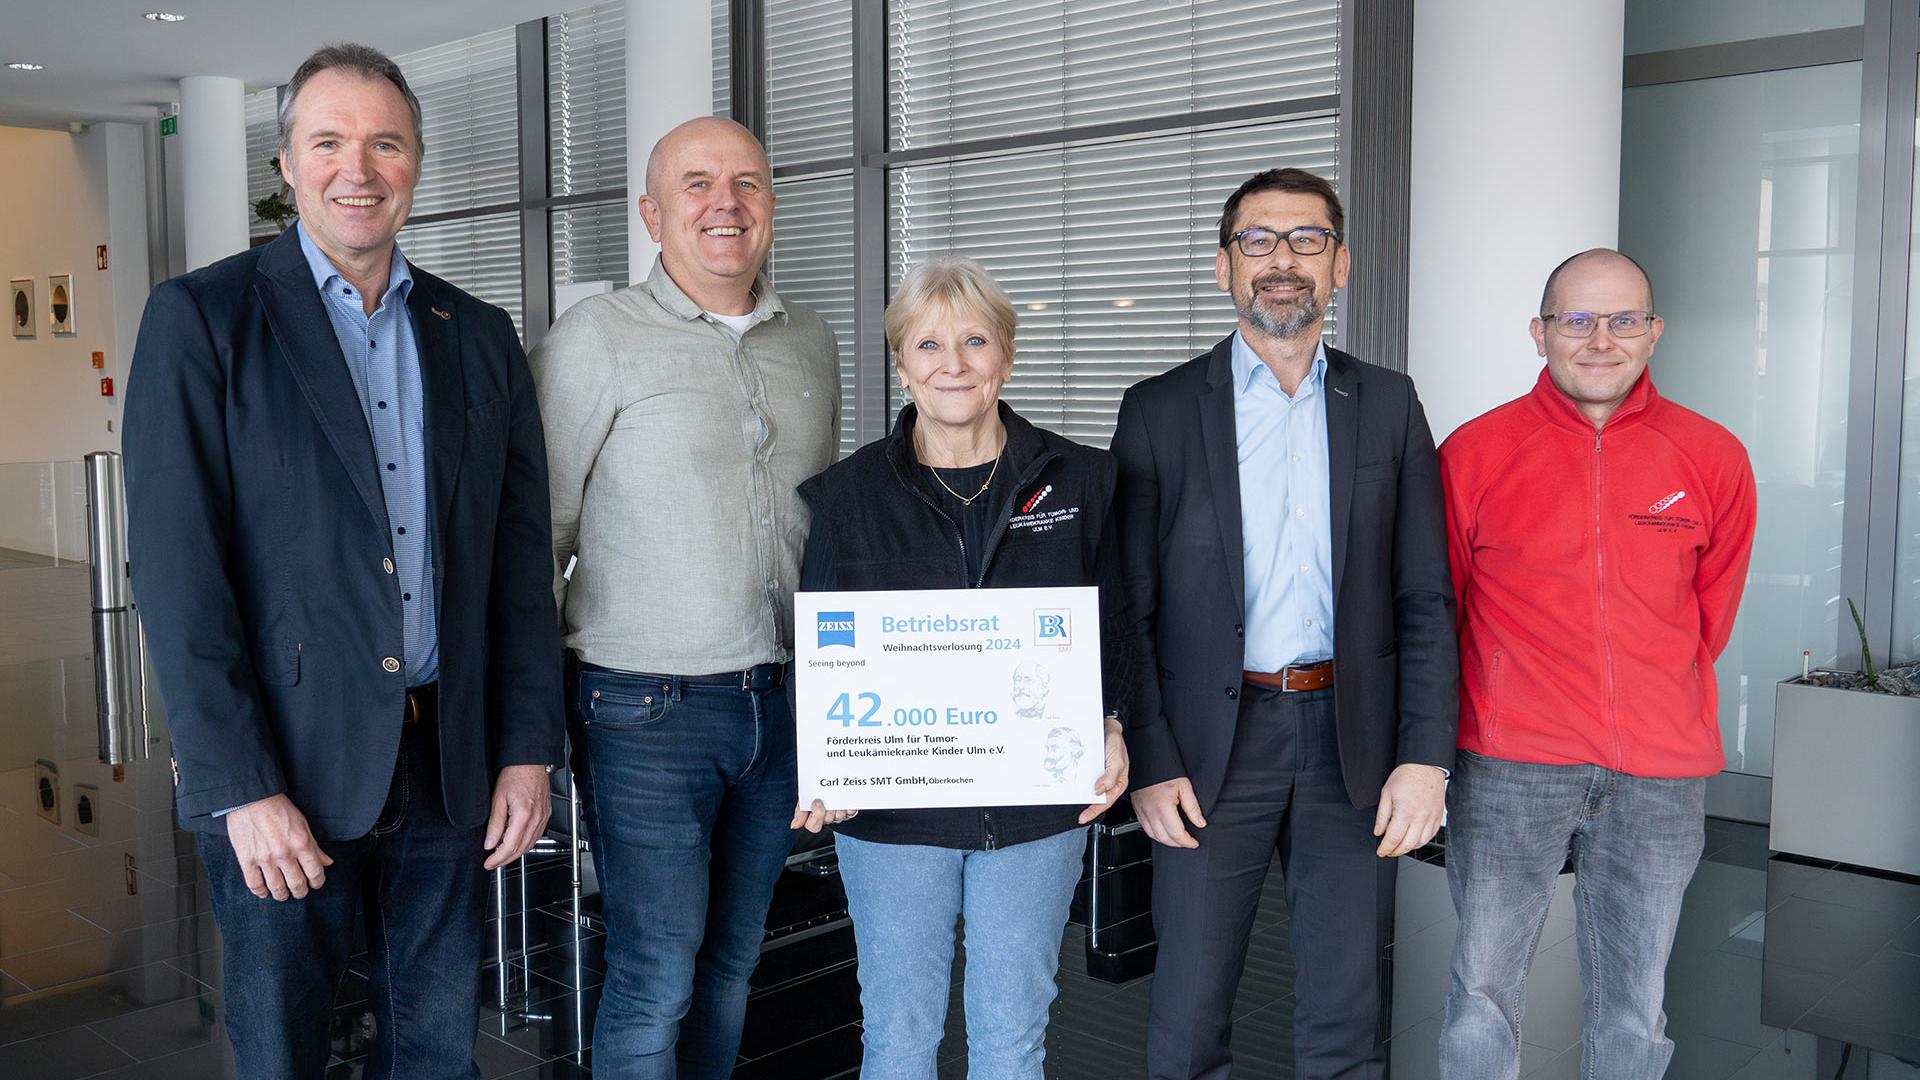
(1288, 325)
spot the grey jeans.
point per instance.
(1634, 841)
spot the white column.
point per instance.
(212, 144)
(1516, 165)
(669, 81)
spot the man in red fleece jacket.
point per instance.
(1598, 536)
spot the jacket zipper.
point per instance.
(991, 842)
(1493, 700)
(1600, 590)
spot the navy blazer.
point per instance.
(259, 547)
(1396, 663)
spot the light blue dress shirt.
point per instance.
(383, 356)
(1286, 524)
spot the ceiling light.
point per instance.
(22, 65)
(165, 17)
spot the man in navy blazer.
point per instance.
(1284, 540)
(338, 527)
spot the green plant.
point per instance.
(1866, 650)
(275, 208)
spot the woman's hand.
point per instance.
(1113, 782)
(811, 819)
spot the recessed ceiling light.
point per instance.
(165, 16)
(22, 65)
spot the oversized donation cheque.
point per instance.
(948, 697)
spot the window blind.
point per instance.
(812, 264)
(263, 145)
(809, 80)
(587, 99)
(467, 98)
(971, 69)
(722, 58)
(1106, 250)
(479, 254)
(589, 243)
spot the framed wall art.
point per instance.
(20, 307)
(60, 303)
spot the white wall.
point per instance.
(1516, 165)
(60, 195)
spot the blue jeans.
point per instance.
(688, 791)
(424, 889)
(904, 899)
(1635, 842)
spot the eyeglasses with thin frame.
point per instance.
(1259, 240)
(1582, 324)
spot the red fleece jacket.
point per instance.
(1598, 572)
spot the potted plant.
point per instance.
(1846, 749)
(276, 208)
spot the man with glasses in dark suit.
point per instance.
(1286, 565)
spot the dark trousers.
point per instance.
(689, 790)
(1283, 792)
(421, 881)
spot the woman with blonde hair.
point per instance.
(931, 507)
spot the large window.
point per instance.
(1104, 245)
(587, 144)
(263, 146)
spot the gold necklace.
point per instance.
(967, 500)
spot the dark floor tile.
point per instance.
(1718, 995)
(63, 1055)
(558, 1026)
(213, 1061)
(554, 1070)
(1846, 887)
(77, 1004)
(166, 1029)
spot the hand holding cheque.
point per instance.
(951, 698)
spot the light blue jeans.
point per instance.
(1635, 841)
(904, 899)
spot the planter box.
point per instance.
(1846, 776)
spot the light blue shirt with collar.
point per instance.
(383, 356)
(1286, 523)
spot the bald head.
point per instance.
(702, 133)
(1591, 259)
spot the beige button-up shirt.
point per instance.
(673, 451)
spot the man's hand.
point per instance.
(1159, 808)
(520, 811)
(814, 817)
(1412, 803)
(276, 851)
(1112, 783)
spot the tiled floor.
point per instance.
(110, 962)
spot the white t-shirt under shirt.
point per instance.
(738, 324)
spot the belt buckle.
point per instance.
(1286, 681)
(746, 681)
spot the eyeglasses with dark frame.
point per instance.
(1258, 240)
(1582, 324)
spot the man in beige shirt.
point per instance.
(681, 412)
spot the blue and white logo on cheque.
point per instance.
(1052, 626)
(835, 628)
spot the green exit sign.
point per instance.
(169, 125)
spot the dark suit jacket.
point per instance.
(257, 533)
(1395, 658)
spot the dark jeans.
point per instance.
(1635, 842)
(424, 890)
(1283, 792)
(688, 793)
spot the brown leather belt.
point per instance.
(1294, 677)
(423, 704)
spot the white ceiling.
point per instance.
(105, 62)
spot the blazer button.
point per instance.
(1233, 693)
(387, 565)
(1239, 630)
(390, 664)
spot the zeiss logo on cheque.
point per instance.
(1052, 626)
(835, 628)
